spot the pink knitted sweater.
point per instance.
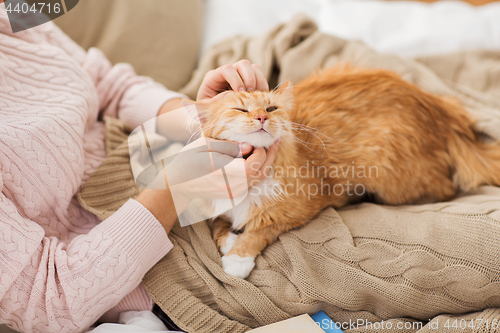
(60, 269)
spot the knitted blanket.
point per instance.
(371, 268)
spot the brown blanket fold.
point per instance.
(416, 268)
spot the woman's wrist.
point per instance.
(160, 203)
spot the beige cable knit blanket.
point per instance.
(428, 268)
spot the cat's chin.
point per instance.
(260, 140)
(255, 139)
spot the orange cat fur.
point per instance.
(363, 131)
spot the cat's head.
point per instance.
(258, 118)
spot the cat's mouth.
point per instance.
(261, 130)
(260, 137)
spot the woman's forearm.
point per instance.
(175, 125)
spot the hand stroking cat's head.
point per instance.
(258, 118)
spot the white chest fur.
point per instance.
(267, 188)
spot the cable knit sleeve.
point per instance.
(134, 99)
(49, 286)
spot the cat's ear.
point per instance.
(284, 88)
(196, 110)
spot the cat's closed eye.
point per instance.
(271, 108)
(242, 110)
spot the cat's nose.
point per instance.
(261, 117)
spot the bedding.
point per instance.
(423, 265)
(405, 28)
(163, 39)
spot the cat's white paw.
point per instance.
(238, 266)
(230, 240)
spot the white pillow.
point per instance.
(405, 28)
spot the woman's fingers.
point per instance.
(254, 162)
(259, 164)
(245, 148)
(270, 156)
(247, 74)
(262, 84)
(242, 76)
(227, 74)
(226, 147)
(217, 80)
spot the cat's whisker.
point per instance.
(307, 144)
(197, 134)
(312, 131)
(193, 137)
(294, 137)
(309, 128)
(191, 127)
(313, 144)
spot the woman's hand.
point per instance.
(242, 76)
(196, 173)
(214, 169)
(194, 169)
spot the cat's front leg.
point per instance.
(222, 235)
(240, 260)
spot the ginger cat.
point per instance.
(346, 134)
